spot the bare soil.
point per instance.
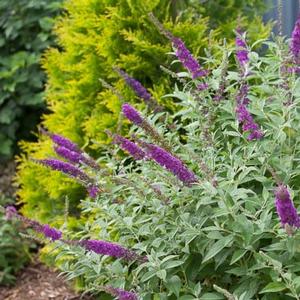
(38, 282)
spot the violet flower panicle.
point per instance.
(46, 230)
(76, 157)
(285, 208)
(73, 172)
(138, 88)
(135, 117)
(181, 51)
(171, 163)
(120, 294)
(187, 59)
(111, 249)
(295, 41)
(132, 114)
(241, 49)
(134, 150)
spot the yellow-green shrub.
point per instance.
(93, 36)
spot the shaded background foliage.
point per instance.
(25, 32)
(93, 36)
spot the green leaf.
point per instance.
(212, 296)
(237, 255)
(217, 247)
(273, 287)
(174, 285)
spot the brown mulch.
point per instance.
(38, 282)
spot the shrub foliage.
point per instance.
(25, 33)
(211, 231)
(94, 36)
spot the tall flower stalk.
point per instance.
(134, 150)
(285, 208)
(71, 171)
(46, 230)
(135, 117)
(295, 41)
(181, 51)
(171, 163)
(97, 246)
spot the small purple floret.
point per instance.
(51, 232)
(132, 114)
(187, 59)
(135, 151)
(110, 249)
(285, 207)
(120, 293)
(171, 163)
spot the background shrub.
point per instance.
(25, 32)
(14, 250)
(93, 36)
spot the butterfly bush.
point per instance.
(206, 204)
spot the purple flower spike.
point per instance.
(51, 232)
(171, 163)
(120, 293)
(187, 59)
(71, 156)
(295, 42)
(10, 212)
(66, 168)
(135, 151)
(132, 114)
(241, 52)
(110, 249)
(285, 208)
(64, 142)
(138, 88)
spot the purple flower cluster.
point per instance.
(76, 157)
(46, 230)
(132, 114)
(295, 42)
(50, 232)
(138, 88)
(64, 142)
(241, 52)
(66, 168)
(120, 293)
(70, 155)
(171, 163)
(285, 207)
(244, 116)
(135, 151)
(110, 249)
(187, 59)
